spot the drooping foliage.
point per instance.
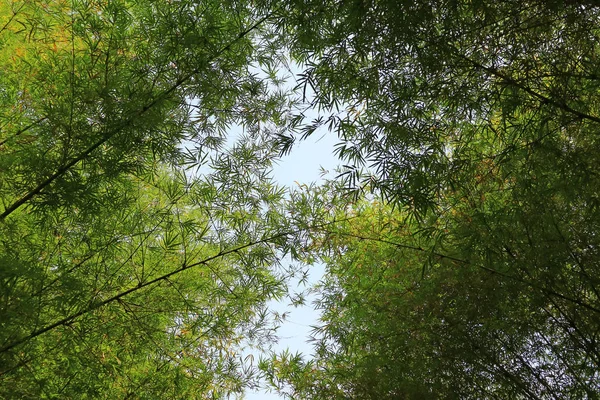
(477, 121)
(409, 83)
(139, 247)
(495, 298)
(124, 274)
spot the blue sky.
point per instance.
(303, 165)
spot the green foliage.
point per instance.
(460, 308)
(142, 300)
(494, 298)
(405, 84)
(139, 244)
(477, 123)
(121, 276)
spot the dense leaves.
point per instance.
(478, 123)
(404, 79)
(141, 240)
(487, 303)
(121, 275)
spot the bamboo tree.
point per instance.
(120, 274)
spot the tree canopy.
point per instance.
(477, 123)
(123, 275)
(140, 242)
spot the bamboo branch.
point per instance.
(107, 136)
(117, 297)
(513, 82)
(548, 292)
